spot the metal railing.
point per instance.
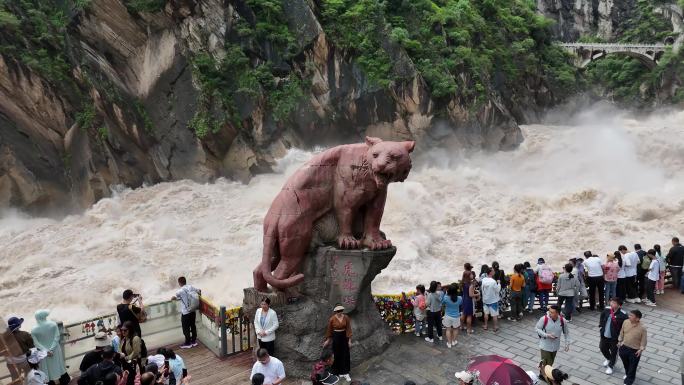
(614, 45)
(228, 331)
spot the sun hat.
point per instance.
(549, 373)
(35, 356)
(610, 257)
(14, 323)
(338, 308)
(102, 340)
(464, 376)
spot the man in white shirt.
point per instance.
(630, 261)
(491, 290)
(189, 300)
(271, 367)
(594, 268)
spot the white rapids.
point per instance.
(605, 180)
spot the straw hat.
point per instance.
(102, 340)
(610, 257)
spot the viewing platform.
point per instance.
(411, 358)
(225, 355)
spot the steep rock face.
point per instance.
(135, 73)
(575, 18)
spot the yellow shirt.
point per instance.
(517, 282)
(633, 336)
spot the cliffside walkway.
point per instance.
(411, 358)
(585, 53)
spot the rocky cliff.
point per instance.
(95, 94)
(608, 20)
(603, 19)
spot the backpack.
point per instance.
(421, 302)
(193, 300)
(546, 275)
(546, 322)
(646, 263)
(143, 349)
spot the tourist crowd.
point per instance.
(444, 311)
(623, 276)
(119, 357)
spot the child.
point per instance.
(116, 341)
(419, 309)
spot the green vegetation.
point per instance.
(142, 111)
(621, 77)
(103, 133)
(80, 5)
(645, 26)
(33, 32)
(271, 25)
(145, 5)
(457, 45)
(234, 79)
(203, 124)
(86, 117)
(670, 69)
(359, 26)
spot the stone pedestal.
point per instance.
(331, 276)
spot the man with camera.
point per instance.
(131, 309)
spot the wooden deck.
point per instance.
(206, 369)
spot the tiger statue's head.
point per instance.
(389, 161)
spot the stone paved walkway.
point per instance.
(411, 358)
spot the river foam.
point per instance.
(599, 181)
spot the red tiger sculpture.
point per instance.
(349, 180)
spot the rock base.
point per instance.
(331, 276)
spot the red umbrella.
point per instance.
(497, 370)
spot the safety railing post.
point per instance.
(242, 318)
(224, 338)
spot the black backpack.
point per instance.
(143, 350)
